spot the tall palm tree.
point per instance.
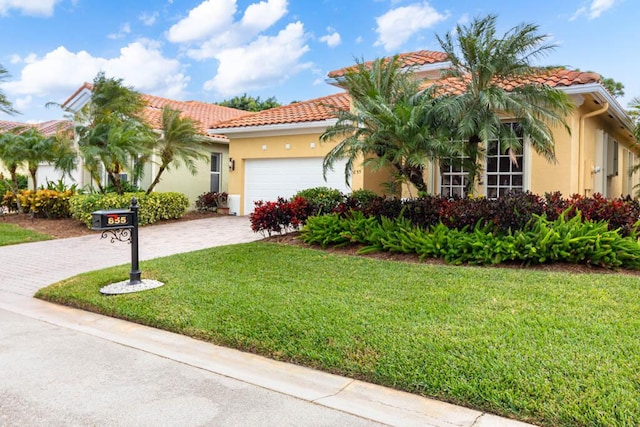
(5, 105)
(180, 142)
(112, 133)
(482, 62)
(388, 124)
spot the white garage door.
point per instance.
(267, 179)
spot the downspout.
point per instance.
(581, 144)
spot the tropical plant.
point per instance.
(389, 123)
(5, 104)
(482, 62)
(180, 142)
(112, 133)
(31, 147)
(10, 156)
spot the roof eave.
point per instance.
(299, 127)
(602, 95)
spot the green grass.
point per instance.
(12, 234)
(548, 348)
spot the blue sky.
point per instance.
(215, 49)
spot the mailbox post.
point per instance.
(122, 224)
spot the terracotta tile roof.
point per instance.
(408, 59)
(204, 113)
(554, 78)
(306, 111)
(47, 128)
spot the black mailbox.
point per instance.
(108, 219)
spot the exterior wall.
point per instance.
(545, 176)
(180, 179)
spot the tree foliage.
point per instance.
(111, 132)
(481, 61)
(249, 103)
(27, 146)
(5, 105)
(180, 142)
(615, 88)
(389, 124)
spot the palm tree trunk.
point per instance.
(34, 172)
(471, 163)
(156, 180)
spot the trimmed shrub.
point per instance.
(323, 200)
(46, 203)
(152, 207)
(280, 216)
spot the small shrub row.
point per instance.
(275, 217)
(564, 239)
(280, 216)
(510, 212)
(153, 207)
(42, 203)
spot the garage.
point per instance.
(268, 179)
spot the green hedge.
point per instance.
(152, 208)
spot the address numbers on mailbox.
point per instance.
(107, 219)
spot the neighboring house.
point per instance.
(46, 171)
(276, 152)
(212, 174)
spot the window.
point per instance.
(216, 159)
(502, 173)
(453, 178)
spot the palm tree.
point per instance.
(482, 62)
(389, 123)
(27, 146)
(180, 142)
(5, 105)
(112, 133)
(10, 156)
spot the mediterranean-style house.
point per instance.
(211, 176)
(277, 152)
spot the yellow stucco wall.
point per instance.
(182, 181)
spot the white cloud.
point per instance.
(148, 19)
(260, 16)
(124, 30)
(597, 8)
(23, 103)
(359, 39)
(29, 7)
(398, 25)
(265, 61)
(256, 18)
(332, 39)
(15, 59)
(60, 72)
(208, 18)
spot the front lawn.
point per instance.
(548, 348)
(11, 235)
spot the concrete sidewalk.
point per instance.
(61, 366)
